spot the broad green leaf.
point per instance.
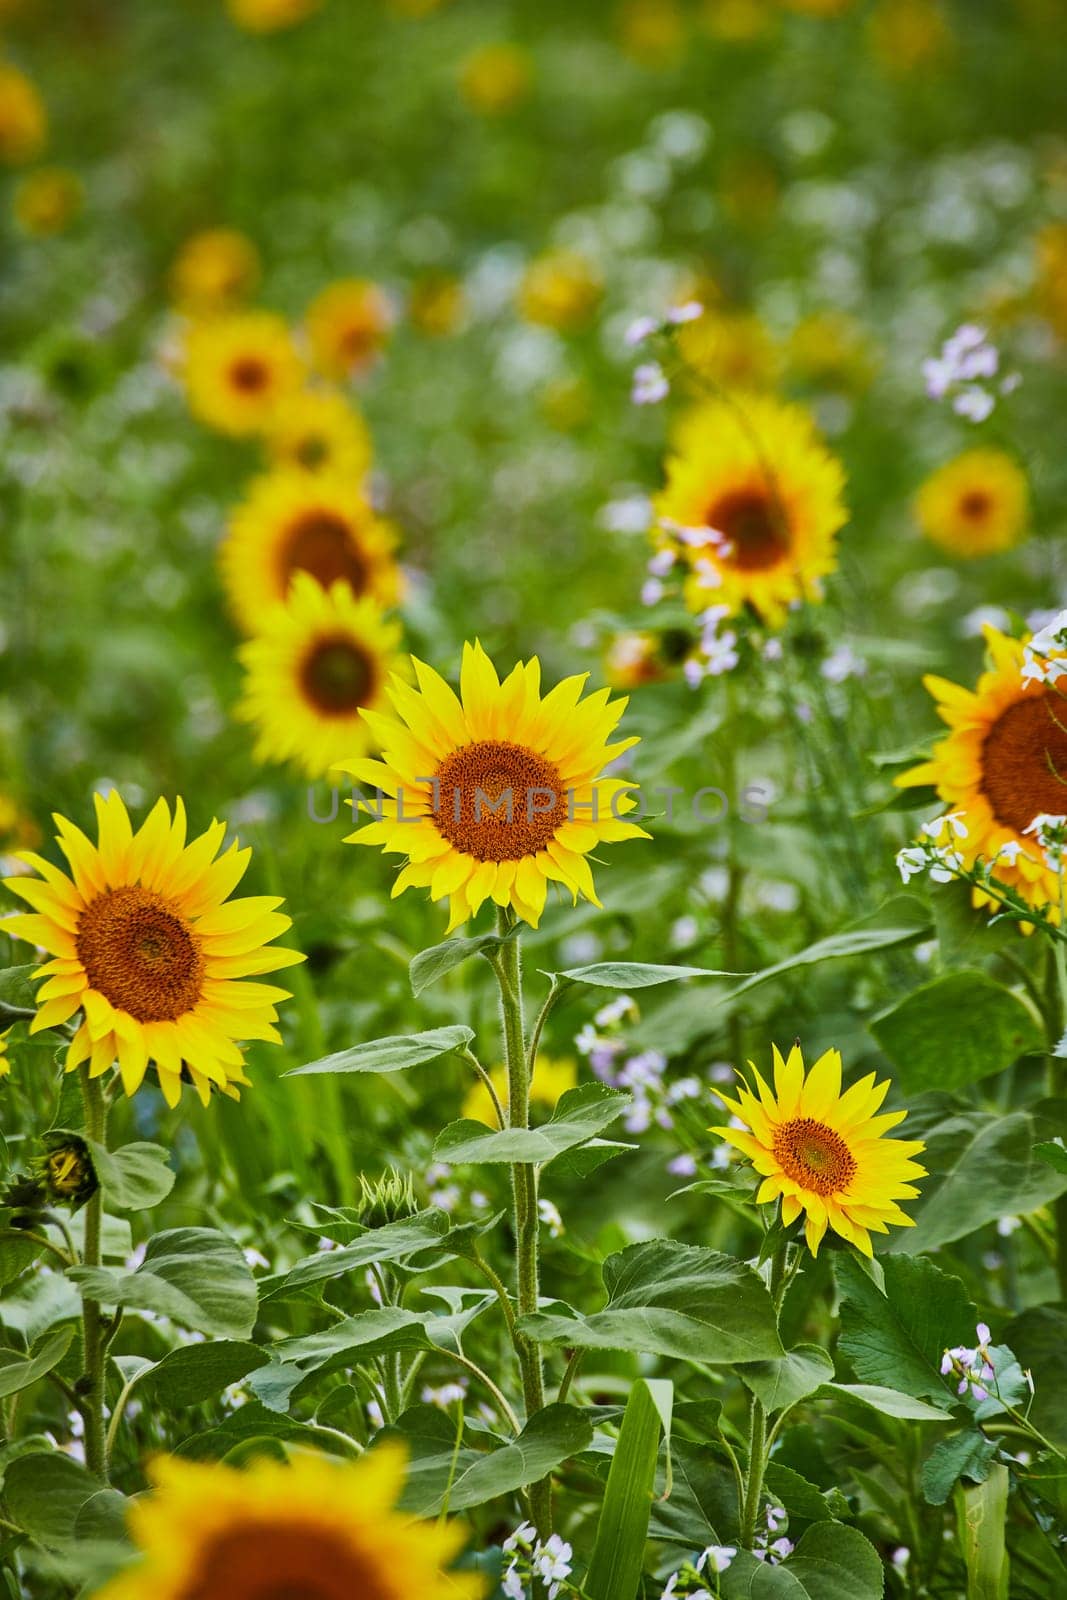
(802, 1499)
(16, 1251)
(673, 1300)
(436, 1450)
(1039, 1338)
(1052, 1154)
(396, 1241)
(18, 1372)
(923, 1038)
(133, 1177)
(18, 995)
(965, 1454)
(897, 1339)
(194, 1373)
(747, 1578)
(430, 965)
(780, 1384)
(390, 1055)
(618, 1554)
(981, 1518)
(580, 1115)
(45, 1493)
(890, 1402)
(636, 974)
(196, 1276)
(41, 1301)
(696, 1504)
(382, 1331)
(835, 1562)
(551, 1437)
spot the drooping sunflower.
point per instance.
(295, 521)
(1003, 763)
(23, 119)
(824, 1152)
(496, 793)
(754, 474)
(148, 945)
(317, 662)
(976, 504)
(348, 324)
(320, 431)
(316, 1528)
(551, 1078)
(47, 201)
(238, 368)
(214, 269)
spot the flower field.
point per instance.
(533, 800)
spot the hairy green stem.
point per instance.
(758, 1442)
(94, 1338)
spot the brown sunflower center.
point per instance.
(139, 952)
(337, 676)
(1024, 761)
(753, 524)
(281, 1562)
(321, 542)
(814, 1156)
(312, 451)
(498, 801)
(356, 341)
(975, 505)
(249, 374)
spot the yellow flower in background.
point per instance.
(560, 290)
(17, 829)
(975, 505)
(907, 35)
(23, 119)
(320, 431)
(294, 521)
(348, 325)
(5, 1064)
(1003, 763)
(267, 16)
(833, 350)
(315, 664)
(754, 474)
(213, 270)
(438, 304)
(315, 1527)
(238, 369)
(495, 78)
(823, 1152)
(496, 793)
(818, 8)
(736, 20)
(731, 349)
(47, 201)
(1051, 291)
(653, 32)
(148, 944)
(551, 1078)
(633, 659)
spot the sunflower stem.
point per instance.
(94, 1341)
(758, 1443)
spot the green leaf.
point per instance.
(391, 1054)
(964, 1454)
(673, 1300)
(45, 1493)
(802, 1499)
(18, 1372)
(197, 1372)
(134, 1177)
(981, 1518)
(196, 1276)
(1052, 1154)
(890, 1402)
(382, 1331)
(18, 996)
(580, 1115)
(923, 1038)
(834, 1562)
(780, 1384)
(897, 1339)
(746, 1578)
(430, 965)
(635, 974)
(618, 1555)
(395, 1241)
(1039, 1338)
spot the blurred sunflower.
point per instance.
(438, 304)
(652, 32)
(147, 943)
(213, 270)
(975, 505)
(267, 16)
(551, 1078)
(495, 77)
(17, 828)
(753, 474)
(314, 665)
(47, 201)
(818, 8)
(823, 1152)
(1003, 763)
(635, 658)
(560, 290)
(295, 521)
(348, 325)
(832, 350)
(908, 35)
(238, 368)
(320, 431)
(1051, 292)
(5, 1064)
(23, 119)
(731, 348)
(313, 1527)
(496, 793)
(736, 20)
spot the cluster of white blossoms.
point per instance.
(964, 372)
(1042, 662)
(941, 861)
(1051, 834)
(670, 561)
(547, 1564)
(716, 652)
(973, 1368)
(650, 384)
(716, 1559)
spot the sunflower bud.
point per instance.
(66, 1170)
(389, 1198)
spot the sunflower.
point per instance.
(1003, 763)
(5, 1064)
(214, 269)
(497, 792)
(267, 16)
(976, 504)
(824, 1152)
(23, 119)
(316, 663)
(730, 348)
(752, 473)
(348, 325)
(47, 201)
(551, 1078)
(1051, 286)
(560, 290)
(495, 77)
(148, 945)
(320, 431)
(908, 35)
(238, 368)
(316, 1527)
(297, 521)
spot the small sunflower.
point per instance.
(551, 1078)
(296, 521)
(320, 431)
(315, 1528)
(348, 325)
(495, 793)
(560, 290)
(47, 201)
(147, 943)
(754, 475)
(494, 78)
(824, 1152)
(315, 665)
(214, 270)
(975, 505)
(23, 119)
(238, 368)
(1003, 763)
(732, 349)
(268, 16)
